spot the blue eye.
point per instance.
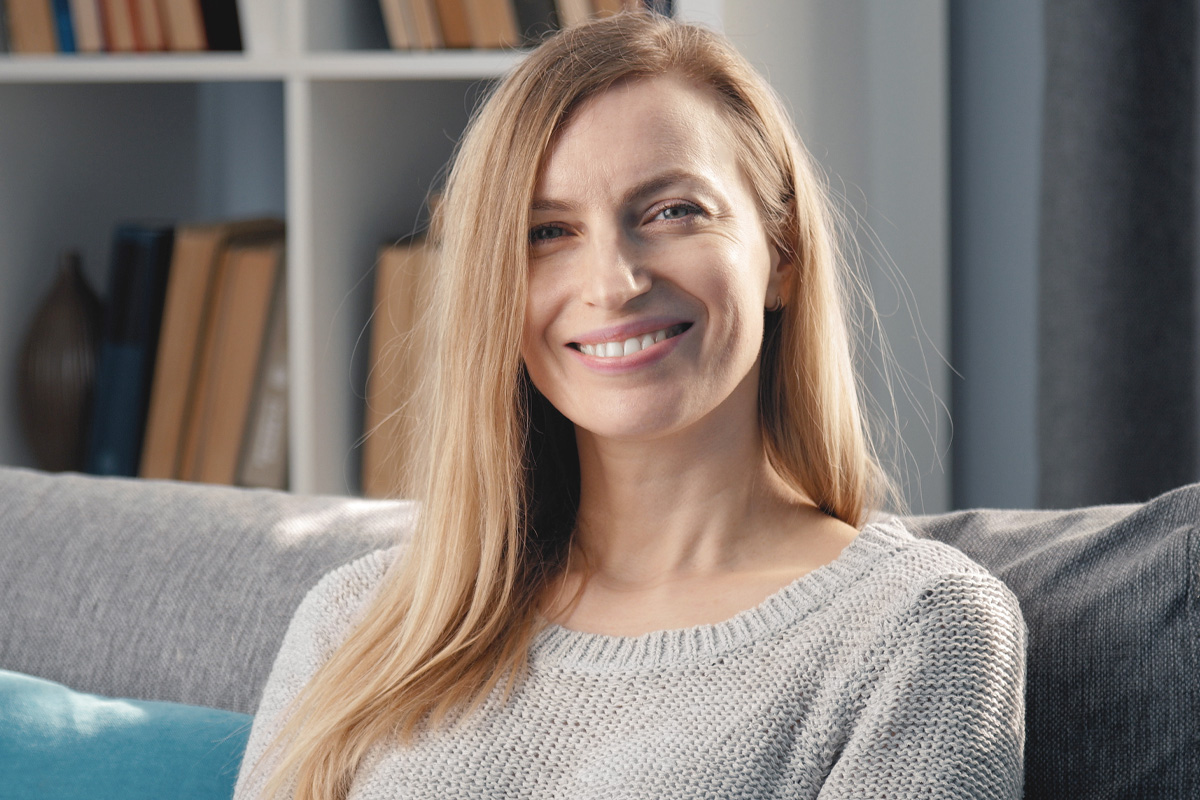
(544, 233)
(678, 211)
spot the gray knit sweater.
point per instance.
(897, 671)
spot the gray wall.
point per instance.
(996, 76)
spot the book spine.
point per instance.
(63, 27)
(264, 459)
(222, 29)
(4, 45)
(128, 346)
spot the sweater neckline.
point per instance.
(556, 646)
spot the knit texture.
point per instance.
(897, 671)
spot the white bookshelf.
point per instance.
(317, 123)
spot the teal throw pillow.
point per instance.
(59, 744)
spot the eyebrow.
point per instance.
(648, 186)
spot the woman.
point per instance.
(647, 488)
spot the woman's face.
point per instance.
(649, 266)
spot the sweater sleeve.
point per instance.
(946, 715)
(320, 624)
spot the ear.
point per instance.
(781, 278)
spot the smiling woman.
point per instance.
(647, 487)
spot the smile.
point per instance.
(631, 345)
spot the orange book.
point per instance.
(31, 27)
(194, 265)
(148, 24)
(230, 364)
(402, 276)
(493, 23)
(456, 25)
(606, 7)
(118, 26)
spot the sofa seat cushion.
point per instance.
(59, 743)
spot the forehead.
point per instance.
(635, 128)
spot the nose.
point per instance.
(611, 273)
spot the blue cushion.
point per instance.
(57, 743)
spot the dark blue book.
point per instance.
(141, 259)
(64, 27)
(535, 19)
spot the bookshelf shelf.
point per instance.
(168, 68)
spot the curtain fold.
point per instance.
(1117, 354)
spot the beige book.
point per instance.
(242, 305)
(183, 25)
(396, 13)
(85, 19)
(493, 23)
(195, 262)
(425, 22)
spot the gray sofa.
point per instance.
(182, 592)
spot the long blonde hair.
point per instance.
(500, 484)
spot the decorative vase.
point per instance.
(58, 370)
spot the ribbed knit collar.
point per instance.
(556, 646)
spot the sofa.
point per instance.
(178, 595)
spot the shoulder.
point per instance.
(327, 613)
(930, 580)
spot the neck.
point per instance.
(701, 503)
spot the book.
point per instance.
(264, 458)
(183, 25)
(148, 25)
(4, 47)
(535, 19)
(118, 26)
(85, 17)
(401, 35)
(605, 8)
(62, 25)
(493, 23)
(425, 24)
(199, 249)
(222, 29)
(234, 344)
(456, 26)
(137, 288)
(573, 12)
(31, 27)
(403, 273)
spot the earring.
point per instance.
(778, 304)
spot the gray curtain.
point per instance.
(1117, 358)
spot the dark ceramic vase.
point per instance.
(58, 370)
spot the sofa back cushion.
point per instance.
(166, 591)
(1109, 595)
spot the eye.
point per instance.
(545, 233)
(677, 211)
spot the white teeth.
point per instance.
(630, 345)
